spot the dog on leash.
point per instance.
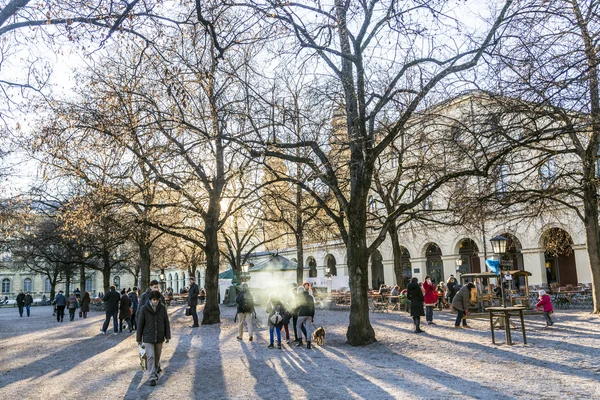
(318, 336)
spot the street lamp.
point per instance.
(245, 273)
(499, 247)
(161, 277)
(459, 263)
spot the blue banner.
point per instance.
(493, 265)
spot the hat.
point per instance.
(542, 292)
(470, 285)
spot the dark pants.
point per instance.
(133, 319)
(72, 314)
(429, 313)
(20, 310)
(459, 316)
(110, 314)
(28, 308)
(60, 313)
(295, 322)
(549, 321)
(194, 314)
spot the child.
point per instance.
(546, 303)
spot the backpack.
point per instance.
(277, 317)
(247, 303)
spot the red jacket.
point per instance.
(430, 297)
(546, 303)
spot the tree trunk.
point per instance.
(68, 284)
(212, 312)
(397, 251)
(82, 277)
(300, 257)
(145, 265)
(106, 271)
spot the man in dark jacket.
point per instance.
(28, 303)
(415, 295)
(153, 330)
(461, 303)
(193, 300)
(61, 302)
(144, 297)
(112, 310)
(21, 302)
(305, 305)
(245, 311)
(133, 299)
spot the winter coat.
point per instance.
(60, 300)
(305, 305)
(21, 299)
(193, 295)
(274, 306)
(85, 304)
(112, 301)
(28, 300)
(415, 295)
(430, 297)
(241, 298)
(145, 296)
(545, 302)
(462, 299)
(72, 302)
(153, 326)
(124, 311)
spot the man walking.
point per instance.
(28, 302)
(21, 302)
(153, 330)
(245, 311)
(146, 295)
(133, 299)
(306, 314)
(61, 302)
(193, 300)
(112, 309)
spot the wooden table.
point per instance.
(505, 312)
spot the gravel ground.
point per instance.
(42, 359)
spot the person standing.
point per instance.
(275, 312)
(415, 295)
(28, 302)
(124, 311)
(72, 302)
(21, 302)
(245, 311)
(133, 300)
(451, 285)
(430, 299)
(61, 302)
(193, 301)
(461, 303)
(153, 330)
(112, 309)
(546, 304)
(85, 304)
(306, 315)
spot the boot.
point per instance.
(300, 344)
(418, 324)
(279, 345)
(308, 346)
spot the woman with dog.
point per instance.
(306, 313)
(415, 295)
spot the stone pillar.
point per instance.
(582, 263)
(388, 273)
(449, 263)
(535, 262)
(419, 269)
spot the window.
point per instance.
(27, 286)
(502, 182)
(371, 203)
(5, 285)
(117, 282)
(548, 172)
(428, 203)
(47, 285)
(88, 284)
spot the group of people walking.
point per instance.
(297, 306)
(72, 303)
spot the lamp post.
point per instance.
(499, 248)
(459, 263)
(245, 276)
(161, 277)
(328, 276)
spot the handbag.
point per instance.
(143, 358)
(188, 311)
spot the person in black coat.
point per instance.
(112, 299)
(21, 302)
(133, 300)
(125, 311)
(153, 330)
(245, 311)
(305, 306)
(146, 296)
(193, 300)
(415, 295)
(61, 302)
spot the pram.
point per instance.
(442, 301)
